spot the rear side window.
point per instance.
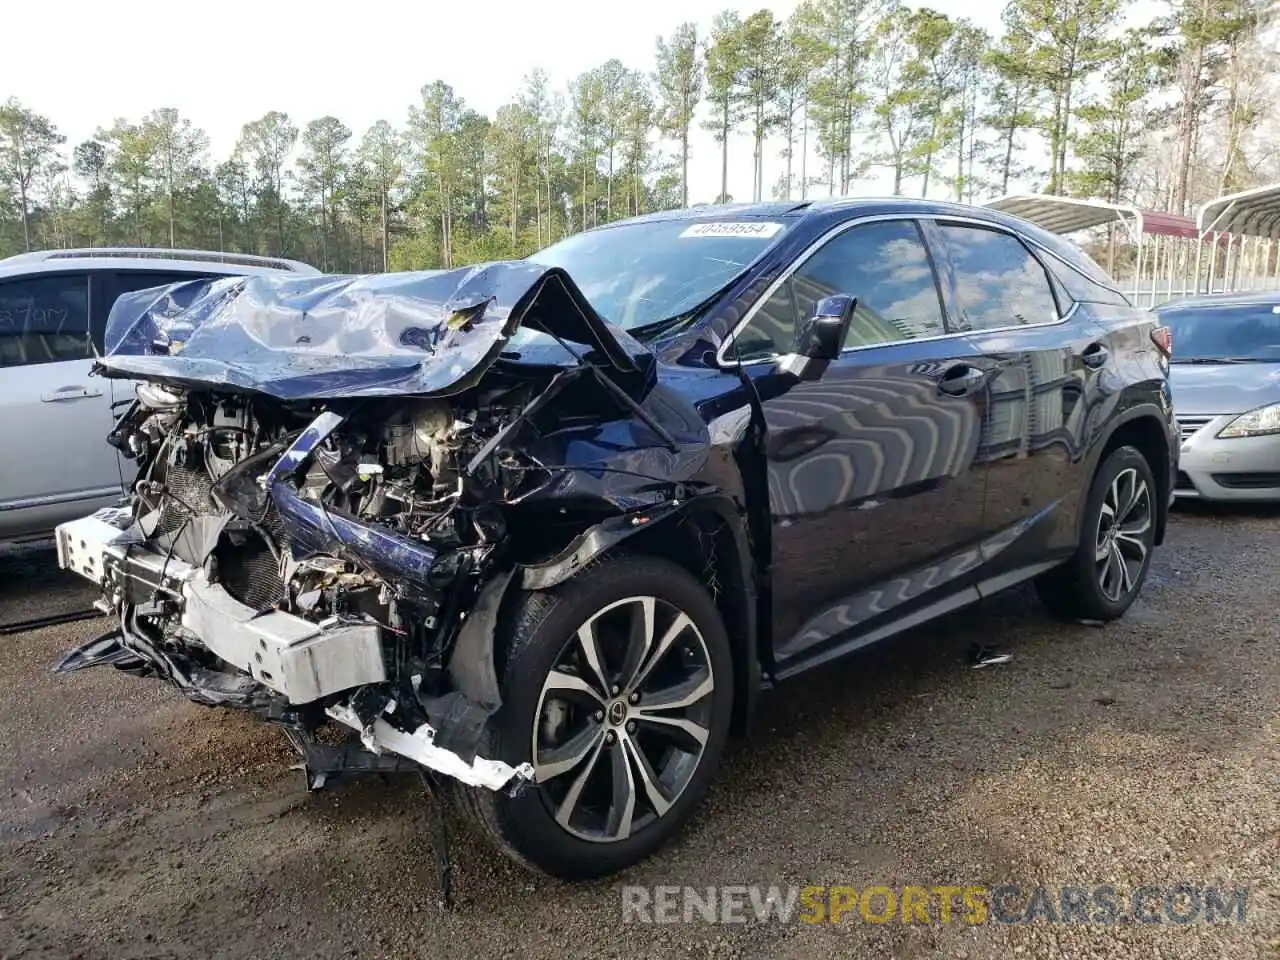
(1082, 289)
(127, 281)
(44, 319)
(999, 283)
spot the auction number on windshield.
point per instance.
(746, 228)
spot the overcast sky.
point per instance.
(359, 61)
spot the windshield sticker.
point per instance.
(751, 229)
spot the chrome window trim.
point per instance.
(840, 228)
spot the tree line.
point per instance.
(1068, 98)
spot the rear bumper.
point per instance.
(299, 661)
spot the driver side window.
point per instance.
(883, 264)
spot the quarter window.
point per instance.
(1085, 289)
(998, 281)
(44, 319)
(883, 264)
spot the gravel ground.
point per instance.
(133, 824)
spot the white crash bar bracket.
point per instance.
(301, 660)
(420, 747)
(84, 545)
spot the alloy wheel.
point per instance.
(623, 719)
(1124, 524)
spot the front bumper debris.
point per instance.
(301, 661)
(420, 747)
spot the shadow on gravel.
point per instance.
(30, 577)
(1239, 511)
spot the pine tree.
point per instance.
(724, 71)
(679, 78)
(29, 146)
(1065, 43)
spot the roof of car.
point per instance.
(779, 208)
(145, 258)
(884, 206)
(1250, 298)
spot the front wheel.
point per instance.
(1117, 537)
(617, 687)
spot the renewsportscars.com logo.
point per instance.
(1181, 903)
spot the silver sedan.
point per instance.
(1226, 393)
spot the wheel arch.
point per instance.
(1144, 428)
(705, 535)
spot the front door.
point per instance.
(874, 483)
(54, 417)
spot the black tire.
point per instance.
(538, 634)
(1077, 590)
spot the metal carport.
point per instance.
(1173, 236)
(1233, 220)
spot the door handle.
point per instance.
(961, 380)
(1094, 355)
(69, 393)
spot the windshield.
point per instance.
(1227, 332)
(640, 274)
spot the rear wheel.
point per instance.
(1117, 537)
(617, 688)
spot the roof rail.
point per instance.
(160, 253)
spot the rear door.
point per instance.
(875, 486)
(54, 417)
(1046, 358)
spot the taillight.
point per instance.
(1162, 337)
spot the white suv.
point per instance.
(55, 462)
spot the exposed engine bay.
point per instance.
(314, 565)
(398, 464)
(317, 536)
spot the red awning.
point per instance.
(1168, 224)
(1067, 215)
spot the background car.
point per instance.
(54, 418)
(1226, 393)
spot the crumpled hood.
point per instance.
(315, 337)
(1223, 388)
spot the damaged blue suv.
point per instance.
(543, 529)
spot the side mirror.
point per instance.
(820, 337)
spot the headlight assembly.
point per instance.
(1255, 423)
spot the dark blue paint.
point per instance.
(301, 449)
(865, 501)
(327, 337)
(315, 529)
